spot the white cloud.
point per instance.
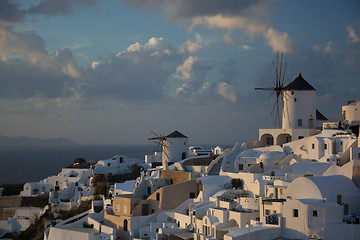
(193, 46)
(134, 47)
(228, 39)
(352, 36)
(279, 42)
(226, 91)
(94, 64)
(184, 71)
(245, 47)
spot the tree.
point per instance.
(236, 183)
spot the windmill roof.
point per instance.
(300, 84)
(176, 134)
(320, 116)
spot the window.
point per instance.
(299, 122)
(267, 211)
(296, 213)
(294, 99)
(325, 146)
(339, 199)
(315, 213)
(300, 137)
(108, 164)
(292, 92)
(117, 207)
(125, 209)
(149, 190)
(157, 196)
(241, 166)
(313, 146)
(192, 195)
(358, 155)
(121, 159)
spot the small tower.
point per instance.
(175, 149)
(299, 110)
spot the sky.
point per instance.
(110, 72)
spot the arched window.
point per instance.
(125, 225)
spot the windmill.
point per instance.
(279, 86)
(161, 142)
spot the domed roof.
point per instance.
(272, 155)
(250, 153)
(322, 187)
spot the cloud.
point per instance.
(279, 42)
(226, 91)
(251, 17)
(10, 12)
(184, 71)
(228, 39)
(140, 72)
(180, 10)
(353, 37)
(193, 46)
(55, 7)
(28, 70)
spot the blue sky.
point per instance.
(109, 72)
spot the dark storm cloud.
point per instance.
(140, 72)
(180, 9)
(229, 71)
(27, 70)
(63, 7)
(10, 11)
(20, 80)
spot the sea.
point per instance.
(22, 164)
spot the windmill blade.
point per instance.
(158, 144)
(156, 138)
(265, 89)
(274, 106)
(281, 63)
(164, 152)
(283, 80)
(276, 73)
(154, 134)
(272, 93)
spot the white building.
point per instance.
(119, 164)
(175, 147)
(300, 118)
(351, 112)
(328, 146)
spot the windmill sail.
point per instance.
(279, 87)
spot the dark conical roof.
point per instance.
(300, 84)
(320, 116)
(176, 134)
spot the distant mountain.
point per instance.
(21, 141)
